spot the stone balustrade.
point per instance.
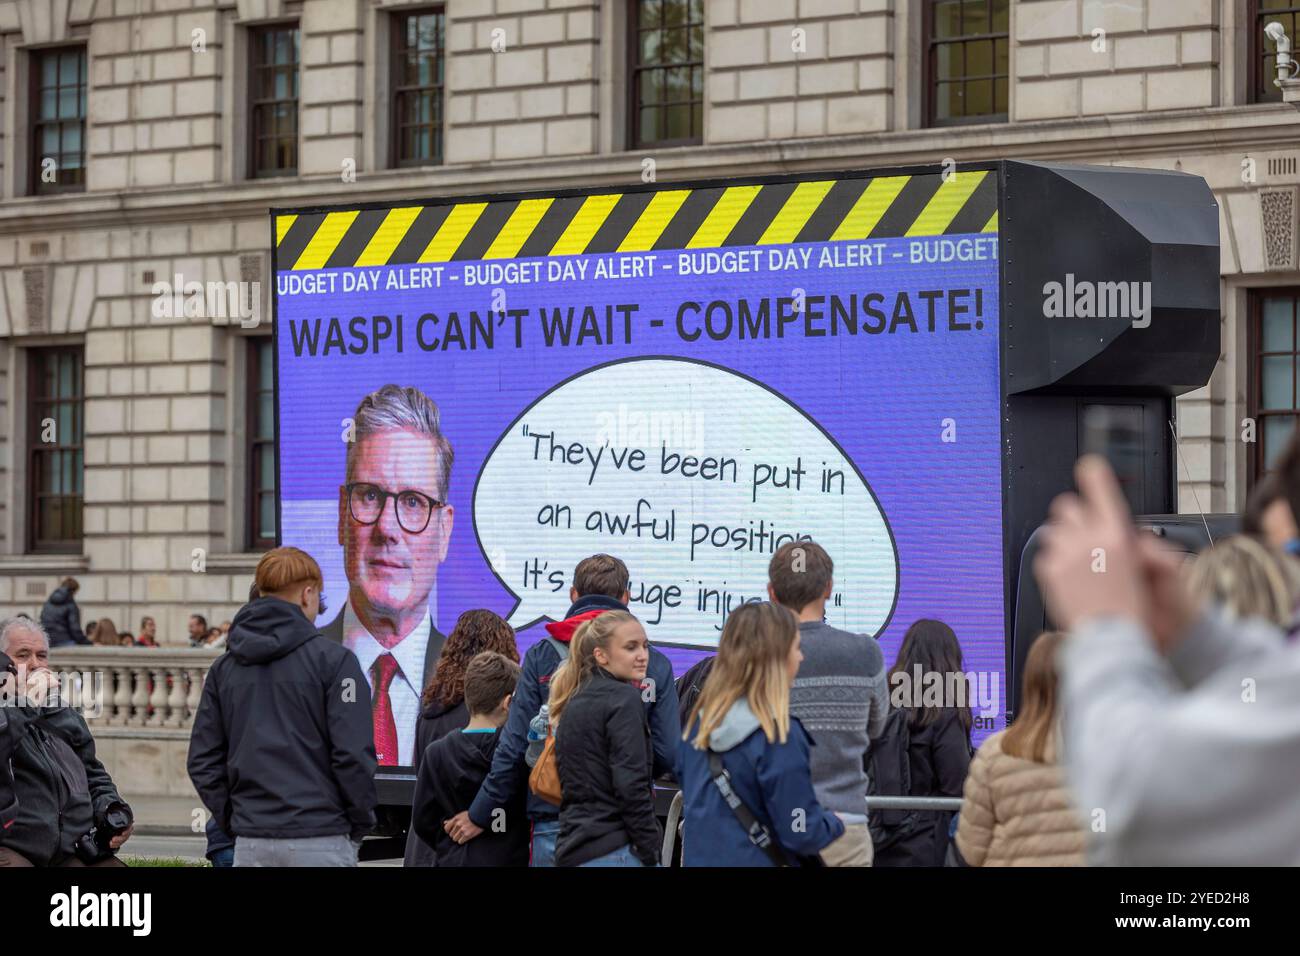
(134, 686)
(140, 703)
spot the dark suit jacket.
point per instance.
(334, 631)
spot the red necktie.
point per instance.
(382, 671)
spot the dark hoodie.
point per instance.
(62, 620)
(451, 771)
(532, 691)
(283, 743)
(436, 722)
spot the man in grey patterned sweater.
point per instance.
(840, 695)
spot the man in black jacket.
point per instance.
(61, 617)
(62, 791)
(8, 695)
(282, 752)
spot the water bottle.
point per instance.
(537, 735)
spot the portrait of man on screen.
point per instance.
(394, 524)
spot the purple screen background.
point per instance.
(884, 398)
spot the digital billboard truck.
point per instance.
(900, 364)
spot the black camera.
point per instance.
(94, 846)
(7, 664)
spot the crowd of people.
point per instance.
(61, 618)
(775, 742)
(1158, 670)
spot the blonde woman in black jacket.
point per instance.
(603, 750)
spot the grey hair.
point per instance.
(9, 625)
(393, 408)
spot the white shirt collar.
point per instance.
(409, 651)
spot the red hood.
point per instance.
(564, 630)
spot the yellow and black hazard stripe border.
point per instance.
(709, 215)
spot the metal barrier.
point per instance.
(914, 803)
(952, 804)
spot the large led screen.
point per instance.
(686, 378)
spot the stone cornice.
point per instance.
(42, 565)
(1103, 139)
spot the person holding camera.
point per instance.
(68, 812)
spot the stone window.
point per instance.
(666, 60)
(58, 120)
(966, 52)
(273, 99)
(1272, 373)
(417, 87)
(260, 438)
(55, 435)
(1263, 54)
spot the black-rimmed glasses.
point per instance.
(366, 502)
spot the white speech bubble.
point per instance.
(698, 529)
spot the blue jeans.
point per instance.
(223, 858)
(620, 857)
(545, 833)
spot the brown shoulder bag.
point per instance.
(544, 779)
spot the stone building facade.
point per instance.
(534, 94)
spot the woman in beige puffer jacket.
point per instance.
(1015, 808)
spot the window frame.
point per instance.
(254, 446)
(1258, 48)
(396, 59)
(36, 58)
(253, 36)
(1255, 372)
(36, 449)
(929, 66)
(633, 81)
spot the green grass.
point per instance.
(162, 861)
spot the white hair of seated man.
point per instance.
(8, 626)
(38, 682)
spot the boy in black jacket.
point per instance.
(455, 766)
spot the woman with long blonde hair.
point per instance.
(744, 767)
(1015, 808)
(1247, 579)
(603, 749)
